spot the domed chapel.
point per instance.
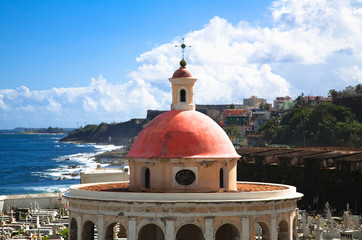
(182, 186)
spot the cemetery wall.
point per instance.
(45, 201)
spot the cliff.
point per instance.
(117, 133)
(124, 133)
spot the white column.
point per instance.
(273, 228)
(170, 230)
(100, 227)
(79, 226)
(209, 229)
(132, 234)
(291, 229)
(245, 228)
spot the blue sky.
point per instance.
(69, 62)
(47, 44)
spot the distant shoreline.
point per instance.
(33, 133)
(41, 133)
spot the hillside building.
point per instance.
(253, 102)
(259, 117)
(313, 101)
(283, 104)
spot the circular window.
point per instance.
(185, 177)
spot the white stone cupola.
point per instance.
(182, 88)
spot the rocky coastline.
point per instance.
(113, 158)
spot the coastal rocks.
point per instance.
(67, 176)
(73, 166)
(112, 158)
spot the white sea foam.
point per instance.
(73, 164)
(50, 189)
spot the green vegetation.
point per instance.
(232, 106)
(233, 131)
(116, 133)
(64, 233)
(338, 94)
(49, 130)
(324, 125)
(265, 106)
(38, 130)
(87, 131)
(145, 123)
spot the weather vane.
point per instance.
(183, 46)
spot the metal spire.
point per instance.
(183, 46)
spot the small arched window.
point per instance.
(147, 178)
(221, 178)
(182, 95)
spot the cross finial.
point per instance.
(183, 46)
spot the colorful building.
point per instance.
(283, 104)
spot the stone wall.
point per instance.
(45, 201)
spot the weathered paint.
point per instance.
(182, 134)
(181, 73)
(171, 215)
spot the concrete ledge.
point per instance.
(2, 200)
(289, 193)
(93, 175)
(45, 200)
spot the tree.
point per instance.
(293, 125)
(299, 101)
(333, 94)
(270, 130)
(232, 106)
(359, 88)
(332, 125)
(265, 106)
(233, 131)
(326, 125)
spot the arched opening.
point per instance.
(115, 231)
(147, 178)
(221, 176)
(73, 230)
(260, 231)
(89, 231)
(151, 232)
(283, 233)
(189, 232)
(227, 232)
(182, 95)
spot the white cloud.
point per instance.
(26, 108)
(321, 27)
(2, 104)
(89, 104)
(351, 75)
(310, 46)
(54, 106)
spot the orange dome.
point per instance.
(182, 134)
(182, 72)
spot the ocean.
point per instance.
(39, 163)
